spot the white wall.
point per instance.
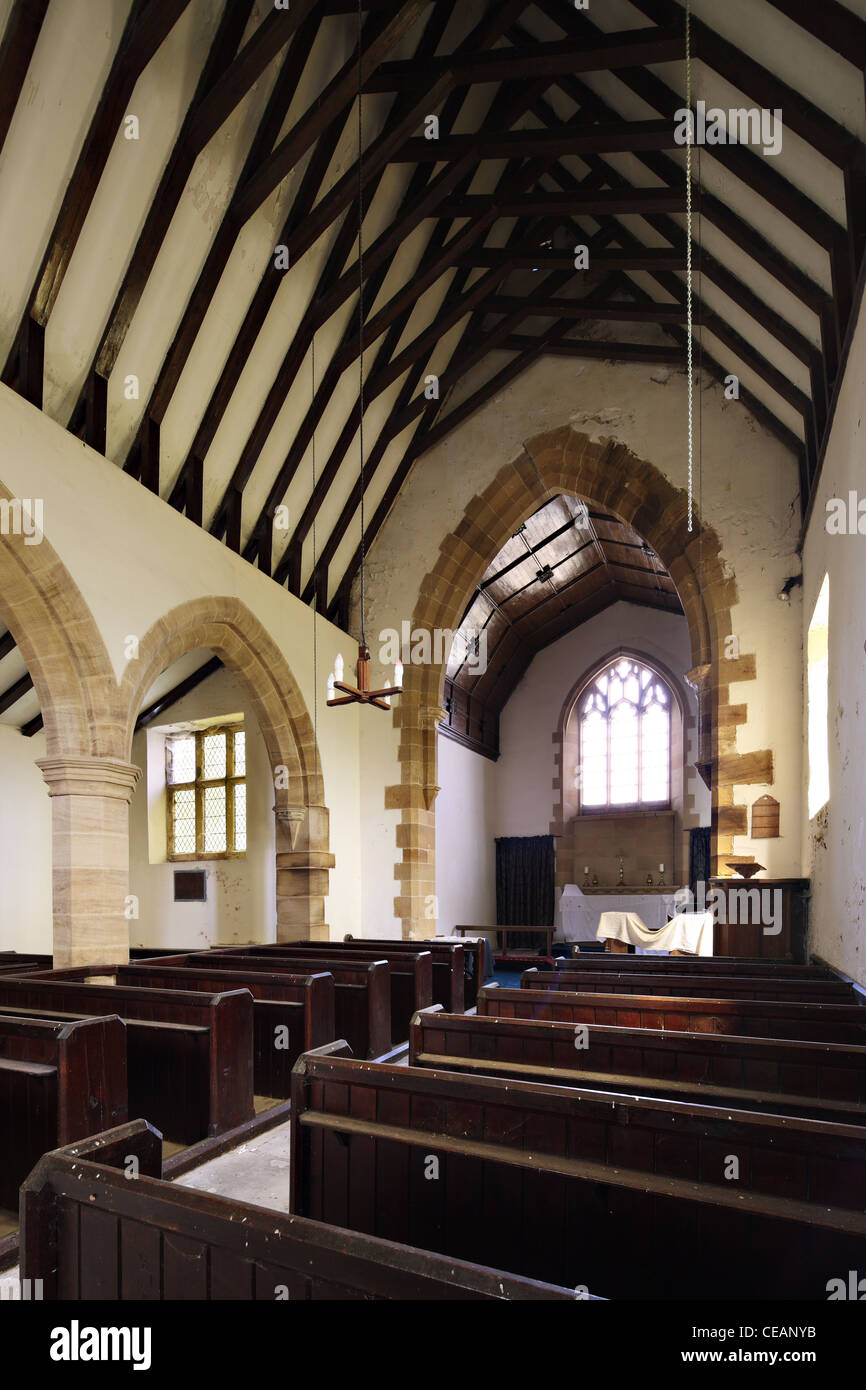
(25, 845)
(834, 841)
(465, 819)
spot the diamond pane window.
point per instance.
(240, 816)
(214, 757)
(182, 761)
(184, 821)
(215, 840)
(625, 738)
(207, 804)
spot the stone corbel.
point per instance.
(697, 677)
(291, 818)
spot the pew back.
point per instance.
(600, 1189)
(87, 1233)
(812, 1080)
(59, 1081)
(362, 992)
(291, 1013)
(712, 986)
(189, 1055)
(839, 1023)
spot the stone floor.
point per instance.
(257, 1171)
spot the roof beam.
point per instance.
(16, 50)
(614, 258)
(146, 28)
(616, 311)
(626, 49)
(568, 139)
(800, 115)
(603, 202)
(832, 24)
(339, 93)
(15, 693)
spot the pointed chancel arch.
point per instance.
(235, 635)
(608, 474)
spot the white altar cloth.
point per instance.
(579, 912)
(688, 931)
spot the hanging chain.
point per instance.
(361, 333)
(689, 362)
(315, 579)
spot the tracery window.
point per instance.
(205, 773)
(625, 738)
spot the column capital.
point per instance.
(82, 776)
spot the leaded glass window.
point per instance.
(205, 773)
(625, 738)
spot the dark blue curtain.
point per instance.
(525, 876)
(699, 857)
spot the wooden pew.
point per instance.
(59, 1081)
(695, 965)
(819, 1081)
(710, 986)
(362, 992)
(302, 1005)
(88, 1233)
(759, 1018)
(626, 1197)
(457, 968)
(411, 973)
(189, 1055)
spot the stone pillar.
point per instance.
(416, 835)
(90, 857)
(302, 872)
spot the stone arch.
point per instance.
(235, 635)
(60, 644)
(608, 473)
(89, 780)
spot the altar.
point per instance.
(579, 912)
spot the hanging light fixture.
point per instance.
(361, 694)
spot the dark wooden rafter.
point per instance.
(16, 49)
(472, 348)
(714, 324)
(225, 80)
(321, 306)
(313, 125)
(146, 28)
(332, 293)
(469, 282)
(750, 168)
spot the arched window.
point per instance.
(625, 737)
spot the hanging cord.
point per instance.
(689, 363)
(315, 581)
(701, 442)
(361, 332)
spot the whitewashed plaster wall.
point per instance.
(135, 559)
(834, 841)
(466, 814)
(25, 845)
(746, 491)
